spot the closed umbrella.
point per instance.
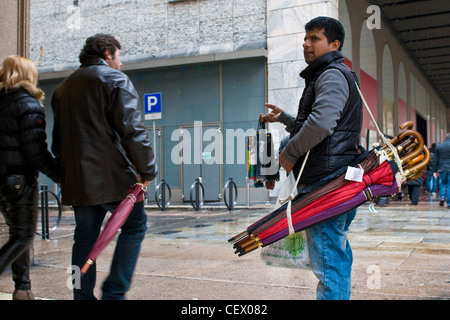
(369, 193)
(115, 222)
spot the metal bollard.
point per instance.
(160, 194)
(229, 202)
(195, 188)
(44, 212)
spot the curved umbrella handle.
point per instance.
(416, 160)
(419, 167)
(416, 175)
(408, 125)
(403, 145)
(411, 147)
(416, 151)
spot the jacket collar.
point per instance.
(320, 63)
(94, 61)
(12, 95)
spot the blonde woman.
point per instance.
(23, 152)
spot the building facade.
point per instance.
(15, 28)
(214, 63)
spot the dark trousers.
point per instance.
(414, 192)
(18, 203)
(89, 220)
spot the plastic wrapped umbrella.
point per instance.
(115, 222)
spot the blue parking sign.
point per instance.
(153, 106)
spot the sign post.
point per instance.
(153, 111)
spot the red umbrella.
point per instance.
(381, 175)
(117, 220)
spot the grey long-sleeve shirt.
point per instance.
(332, 93)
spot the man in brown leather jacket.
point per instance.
(102, 147)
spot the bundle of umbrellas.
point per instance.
(404, 158)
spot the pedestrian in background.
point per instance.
(441, 167)
(328, 124)
(101, 143)
(431, 181)
(23, 152)
(414, 190)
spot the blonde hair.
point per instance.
(16, 72)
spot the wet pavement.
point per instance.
(400, 252)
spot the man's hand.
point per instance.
(271, 116)
(144, 183)
(285, 164)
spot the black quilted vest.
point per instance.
(341, 147)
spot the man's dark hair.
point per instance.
(333, 29)
(96, 45)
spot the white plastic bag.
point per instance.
(282, 253)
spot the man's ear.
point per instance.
(335, 45)
(108, 54)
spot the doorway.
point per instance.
(202, 154)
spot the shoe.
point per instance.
(441, 203)
(448, 207)
(23, 295)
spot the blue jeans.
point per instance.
(431, 182)
(331, 257)
(444, 186)
(89, 220)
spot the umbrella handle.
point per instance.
(419, 167)
(416, 175)
(86, 266)
(416, 160)
(408, 125)
(412, 146)
(418, 150)
(404, 144)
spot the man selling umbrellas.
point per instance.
(103, 149)
(328, 123)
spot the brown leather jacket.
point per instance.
(99, 137)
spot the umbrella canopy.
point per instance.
(370, 162)
(115, 222)
(381, 175)
(367, 194)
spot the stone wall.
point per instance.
(147, 29)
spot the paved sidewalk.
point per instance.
(401, 252)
